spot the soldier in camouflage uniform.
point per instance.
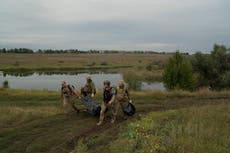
(67, 93)
(89, 88)
(123, 96)
(109, 101)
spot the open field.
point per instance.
(11, 62)
(33, 122)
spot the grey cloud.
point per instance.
(190, 27)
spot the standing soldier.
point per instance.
(67, 93)
(89, 88)
(109, 101)
(123, 97)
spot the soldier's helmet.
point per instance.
(63, 83)
(88, 78)
(122, 84)
(107, 82)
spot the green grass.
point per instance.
(33, 121)
(193, 130)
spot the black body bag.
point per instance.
(130, 109)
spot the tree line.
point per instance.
(16, 50)
(76, 51)
(199, 70)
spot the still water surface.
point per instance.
(46, 81)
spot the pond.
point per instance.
(52, 80)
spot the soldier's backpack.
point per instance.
(70, 87)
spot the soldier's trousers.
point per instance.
(114, 108)
(123, 103)
(68, 101)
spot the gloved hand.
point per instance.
(92, 95)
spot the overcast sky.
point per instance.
(159, 25)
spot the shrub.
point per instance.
(132, 79)
(213, 68)
(5, 84)
(104, 63)
(178, 73)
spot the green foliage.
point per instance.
(203, 64)
(133, 80)
(213, 70)
(178, 73)
(5, 84)
(17, 50)
(177, 131)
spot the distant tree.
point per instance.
(178, 73)
(220, 58)
(204, 67)
(213, 69)
(3, 50)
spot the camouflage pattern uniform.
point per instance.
(109, 95)
(89, 88)
(67, 95)
(123, 98)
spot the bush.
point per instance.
(213, 68)
(5, 84)
(104, 63)
(178, 73)
(132, 79)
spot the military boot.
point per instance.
(99, 123)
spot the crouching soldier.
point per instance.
(109, 101)
(67, 93)
(123, 97)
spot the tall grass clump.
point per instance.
(198, 130)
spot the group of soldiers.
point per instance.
(113, 97)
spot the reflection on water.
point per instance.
(52, 80)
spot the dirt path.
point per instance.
(60, 133)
